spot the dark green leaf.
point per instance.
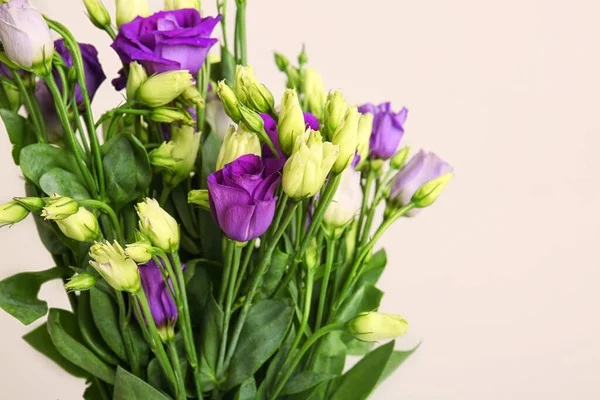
(263, 332)
(275, 365)
(19, 294)
(373, 269)
(70, 348)
(210, 340)
(37, 159)
(93, 392)
(331, 355)
(184, 209)
(305, 380)
(156, 377)
(366, 298)
(247, 390)
(209, 231)
(106, 316)
(356, 347)
(20, 132)
(57, 180)
(396, 359)
(40, 340)
(198, 291)
(359, 382)
(130, 387)
(90, 334)
(275, 272)
(227, 66)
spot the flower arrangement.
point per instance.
(213, 244)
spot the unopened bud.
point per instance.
(11, 213)
(192, 97)
(82, 226)
(113, 265)
(199, 198)
(162, 156)
(236, 144)
(181, 4)
(128, 10)
(141, 251)
(347, 138)
(137, 76)
(158, 226)
(335, 110)
(161, 89)
(399, 159)
(169, 115)
(230, 101)
(282, 62)
(374, 326)
(58, 207)
(291, 121)
(33, 204)
(97, 13)
(81, 282)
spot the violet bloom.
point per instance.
(242, 198)
(162, 306)
(422, 168)
(94, 75)
(166, 41)
(388, 129)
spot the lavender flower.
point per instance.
(241, 197)
(388, 129)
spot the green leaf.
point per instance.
(156, 377)
(39, 339)
(106, 316)
(396, 359)
(209, 231)
(20, 132)
(184, 209)
(355, 347)
(198, 291)
(275, 365)
(130, 387)
(57, 180)
(90, 334)
(263, 332)
(126, 168)
(37, 159)
(373, 269)
(330, 357)
(359, 382)
(247, 390)
(19, 294)
(275, 272)
(70, 348)
(366, 298)
(93, 392)
(305, 380)
(210, 339)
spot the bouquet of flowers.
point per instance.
(213, 243)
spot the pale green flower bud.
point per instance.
(427, 194)
(12, 212)
(291, 121)
(58, 207)
(128, 10)
(162, 156)
(399, 159)
(168, 115)
(113, 265)
(33, 204)
(335, 111)
(305, 171)
(181, 4)
(81, 282)
(236, 144)
(252, 120)
(158, 226)
(365, 128)
(141, 251)
(374, 326)
(161, 89)
(314, 91)
(192, 97)
(200, 198)
(97, 13)
(137, 76)
(346, 202)
(294, 78)
(347, 138)
(282, 62)
(230, 101)
(251, 92)
(312, 256)
(82, 226)
(302, 57)
(186, 145)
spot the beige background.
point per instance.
(500, 278)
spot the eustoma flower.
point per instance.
(388, 129)
(113, 265)
(162, 306)
(166, 41)
(346, 202)
(310, 121)
(375, 326)
(420, 181)
(242, 199)
(25, 36)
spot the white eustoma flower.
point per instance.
(346, 202)
(25, 35)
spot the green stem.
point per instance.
(241, 25)
(32, 107)
(108, 211)
(365, 205)
(309, 342)
(230, 247)
(324, 285)
(126, 334)
(111, 32)
(258, 273)
(164, 195)
(174, 357)
(61, 109)
(244, 268)
(102, 389)
(222, 8)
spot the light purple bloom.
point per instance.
(242, 198)
(94, 75)
(162, 306)
(388, 129)
(422, 168)
(166, 41)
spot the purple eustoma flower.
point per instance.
(166, 41)
(94, 75)
(242, 198)
(388, 129)
(162, 306)
(422, 168)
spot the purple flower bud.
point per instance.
(162, 306)
(241, 197)
(94, 75)
(422, 168)
(388, 129)
(166, 41)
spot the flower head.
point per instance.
(237, 143)
(115, 267)
(291, 121)
(12, 212)
(346, 202)
(158, 226)
(81, 226)
(375, 326)
(388, 129)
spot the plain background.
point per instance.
(499, 279)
